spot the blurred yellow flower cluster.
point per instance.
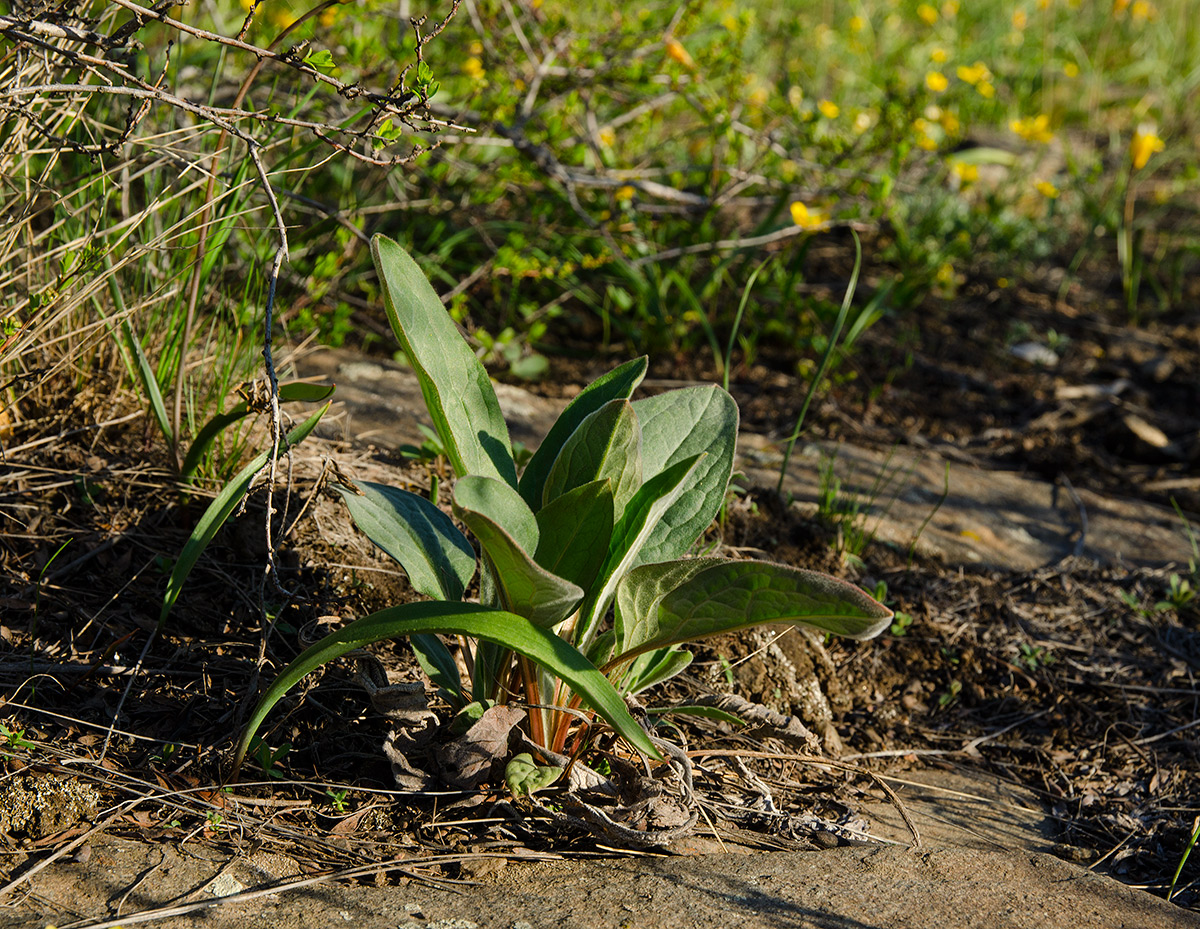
(1046, 189)
(1033, 128)
(676, 52)
(936, 81)
(978, 76)
(829, 109)
(928, 14)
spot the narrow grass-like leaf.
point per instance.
(456, 388)
(508, 630)
(574, 533)
(676, 426)
(734, 595)
(606, 446)
(218, 511)
(525, 587)
(311, 393)
(617, 384)
(437, 558)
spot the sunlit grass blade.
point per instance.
(218, 511)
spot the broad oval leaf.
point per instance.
(617, 384)
(606, 446)
(574, 533)
(437, 558)
(508, 630)
(734, 595)
(675, 426)
(218, 511)
(524, 586)
(641, 516)
(456, 388)
(641, 590)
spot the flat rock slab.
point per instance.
(968, 515)
(849, 888)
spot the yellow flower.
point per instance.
(473, 68)
(475, 48)
(1034, 129)
(950, 9)
(625, 193)
(1141, 10)
(963, 174)
(1145, 143)
(857, 24)
(974, 74)
(985, 89)
(950, 123)
(805, 218)
(829, 109)
(1020, 19)
(1119, 7)
(678, 53)
(1070, 69)
(729, 22)
(936, 81)
(927, 14)
(328, 18)
(1046, 189)
(938, 55)
(607, 136)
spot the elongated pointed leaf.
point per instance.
(218, 511)
(675, 426)
(508, 630)
(617, 384)
(288, 393)
(437, 558)
(653, 499)
(606, 446)
(456, 388)
(574, 533)
(525, 587)
(734, 595)
(654, 667)
(500, 504)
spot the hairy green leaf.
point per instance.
(606, 446)
(675, 426)
(456, 388)
(575, 529)
(617, 384)
(732, 595)
(525, 778)
(501, 504)
(540, 646)
(437, 558)
(525, 587)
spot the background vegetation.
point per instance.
(574, 179)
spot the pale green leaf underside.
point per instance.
(500, 503)
(456, 388)
(508, 630)
(437, 558)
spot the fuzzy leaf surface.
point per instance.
(617, 384)
(456, 388)
(574, 533)
(606, 446)
(732, 595)
(525, 587)
(675, 426)
(437, 558)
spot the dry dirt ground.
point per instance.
(1074, 680)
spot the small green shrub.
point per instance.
(603, 515)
